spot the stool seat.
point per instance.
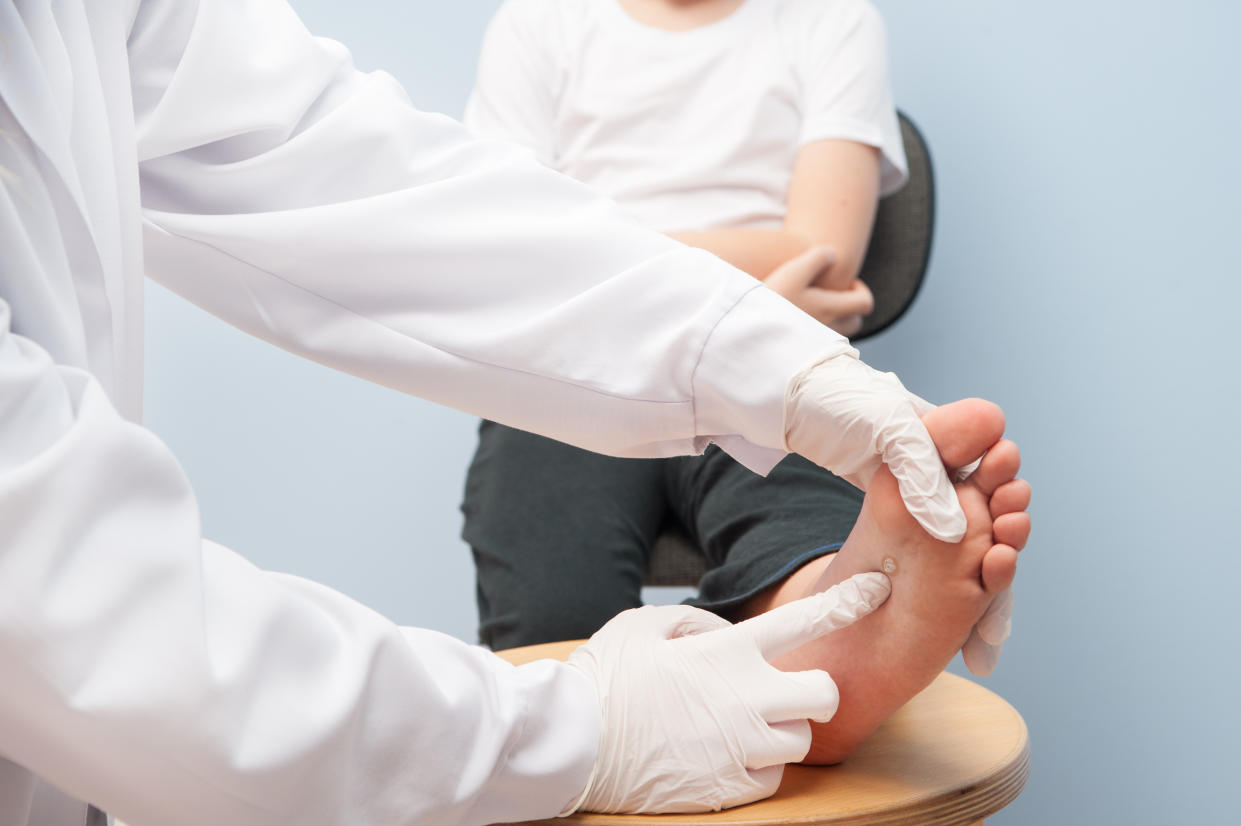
(953, 755)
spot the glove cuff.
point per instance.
(793, 394)
(584, 666)
(742, 378)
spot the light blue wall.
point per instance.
(1086, 275)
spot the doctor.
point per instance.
(220, 149)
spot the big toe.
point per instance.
(964, 430)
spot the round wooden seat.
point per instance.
(953, 755)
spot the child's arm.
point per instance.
(800, 277)
(850, 151)
(756, 251)
(831, 202)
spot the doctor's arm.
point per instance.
(167, 680)
(313, 206)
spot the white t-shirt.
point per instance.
(688, 130)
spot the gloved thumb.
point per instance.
(980, 656)
(997, 622)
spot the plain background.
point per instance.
(1085, 275)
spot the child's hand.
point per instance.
(833, 277)
(800, 280)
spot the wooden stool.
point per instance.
(951, 756)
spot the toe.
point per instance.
(1011, 497)
(1012, 529)
(999, 567)
(964, 430)
(1000, 465)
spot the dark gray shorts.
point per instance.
(561, 536)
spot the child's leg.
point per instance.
(938, 590)
(756, 530)
(559, 535)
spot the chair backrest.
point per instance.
(894, 268)
(900, 243)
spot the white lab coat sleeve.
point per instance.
(314, 207)
(172, 683)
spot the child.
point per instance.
(764, 132)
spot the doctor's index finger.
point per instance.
(796, 623)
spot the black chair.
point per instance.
(894, 267)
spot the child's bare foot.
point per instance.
(939, 590)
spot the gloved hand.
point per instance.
(850, 418)
(982, 649)
(694, 717)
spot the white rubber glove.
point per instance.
(850, 418)
(982, 649)
(695, 719)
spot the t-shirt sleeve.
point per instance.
(846, 88)
(514, 92)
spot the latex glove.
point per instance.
(694, 716)
(982, 649)
(850, 418)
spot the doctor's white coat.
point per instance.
(218, 148)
